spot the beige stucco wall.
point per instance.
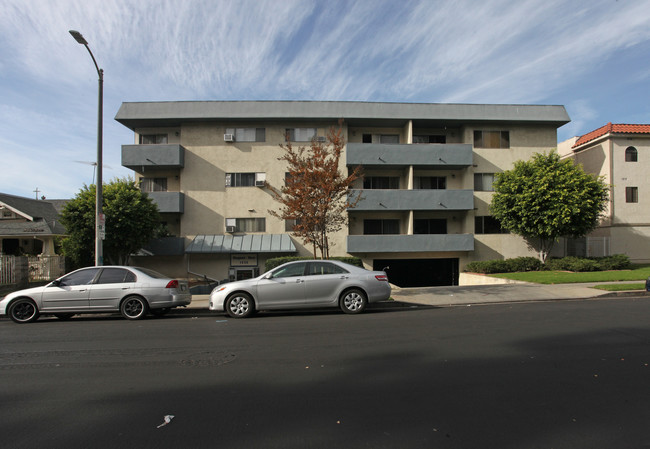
(208, 202)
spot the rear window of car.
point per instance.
(152, 273)
(316, 268)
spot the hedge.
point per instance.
(615, 262)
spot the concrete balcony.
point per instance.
(420, 243)
(392, 200)
(153, 157)
(453, 156)
(168, 202)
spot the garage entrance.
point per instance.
(419, 272)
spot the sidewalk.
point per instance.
(485, 294)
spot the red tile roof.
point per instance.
(612, 128)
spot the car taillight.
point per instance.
(172, 284)
(381, 277)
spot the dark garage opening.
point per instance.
(419, 272)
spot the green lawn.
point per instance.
(636, 273)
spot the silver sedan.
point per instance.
(131, 291)
(303, 284)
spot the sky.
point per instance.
(591, 56)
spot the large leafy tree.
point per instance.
(546, 198)
(132, 220)
(316, 193)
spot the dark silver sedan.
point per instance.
(303, 284)
(131, 291)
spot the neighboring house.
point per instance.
(621, 154)
(427, 187)
(27, 226)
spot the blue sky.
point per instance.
(592, 56)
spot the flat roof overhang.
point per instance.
(155, 114)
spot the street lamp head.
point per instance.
(78, 37)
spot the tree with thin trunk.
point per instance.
(316, 195)
(547, 198)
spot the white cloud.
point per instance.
(473, 51)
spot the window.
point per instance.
(115, 276)
(292, 270)
(148, 139)
(247, 224)
(381, 182)
(244, 179)
(320, 268)
(289, 225)
(631, 194)
(483, 182)
(389, 138)
(82, 277)
(248, 134)
(381, 226)
(430, 182)
(153, 184)
(491, 139)
(631, 155)
(366, 138)
(488, 225)
(300, 134)
(429, 226)
(429, 139)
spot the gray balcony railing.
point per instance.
(168, 202)
(453, 156)
(153, 157)
(386, 200)
(409, 243)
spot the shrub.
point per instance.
(615, 262)
(525, 264)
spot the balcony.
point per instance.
(453, 156)
(168, 202)
(420, 243)
(153, 157)
(393, 200)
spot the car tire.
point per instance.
(134, 308)
(353, 301)
(64, 316)
(240, 305)
(23, 310)
(160, 312)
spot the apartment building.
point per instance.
(617, 152)
(428, 172)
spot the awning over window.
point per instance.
(256, 243)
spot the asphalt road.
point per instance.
(570, 374)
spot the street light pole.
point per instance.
(99, 215)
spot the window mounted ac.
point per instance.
(260, 183)
(229, 137)
(231, 228)
(321, 139)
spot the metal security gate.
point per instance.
(419, 272)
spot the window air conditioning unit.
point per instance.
(231, 228)
(321, 139)
(229, 137)
(260, 183)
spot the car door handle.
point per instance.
(298, 281)
(344, 277)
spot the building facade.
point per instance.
(617, 152)
(428, 172)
